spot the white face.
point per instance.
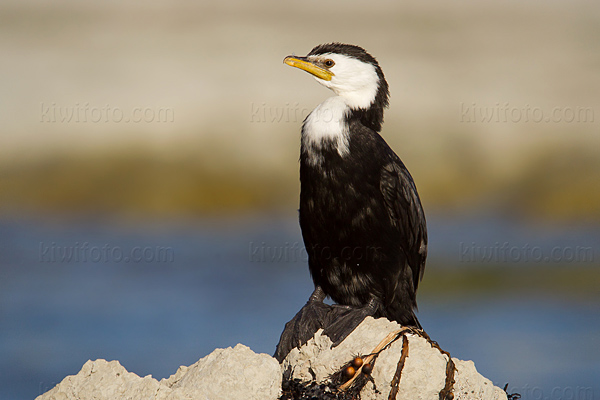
(354, 80)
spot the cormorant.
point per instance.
(361, 217)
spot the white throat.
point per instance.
(326, 123)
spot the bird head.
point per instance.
(349, 71)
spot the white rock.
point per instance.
(236, 373)
(423, 375)
(102, 379)
(471, 385)
(227, 374)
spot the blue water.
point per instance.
(224, 282)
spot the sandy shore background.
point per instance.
(185, 107)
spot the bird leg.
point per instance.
(313, 316)
(318, 295)
(344, 319)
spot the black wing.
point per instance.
(406, 213)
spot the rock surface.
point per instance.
(232, 373)
(239, 373)
(423, 375)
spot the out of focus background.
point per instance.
(149, 179)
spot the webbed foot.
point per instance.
(312, 317)
(344, 319)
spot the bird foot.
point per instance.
(312, 317)
(337, 322)
(344, 319)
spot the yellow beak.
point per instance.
(303, 63)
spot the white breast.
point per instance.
(327, 122)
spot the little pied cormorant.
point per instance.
(361, 217)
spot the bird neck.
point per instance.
(326, 126)
(371, 117)
(368, 103)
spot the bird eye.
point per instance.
(329, 63)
